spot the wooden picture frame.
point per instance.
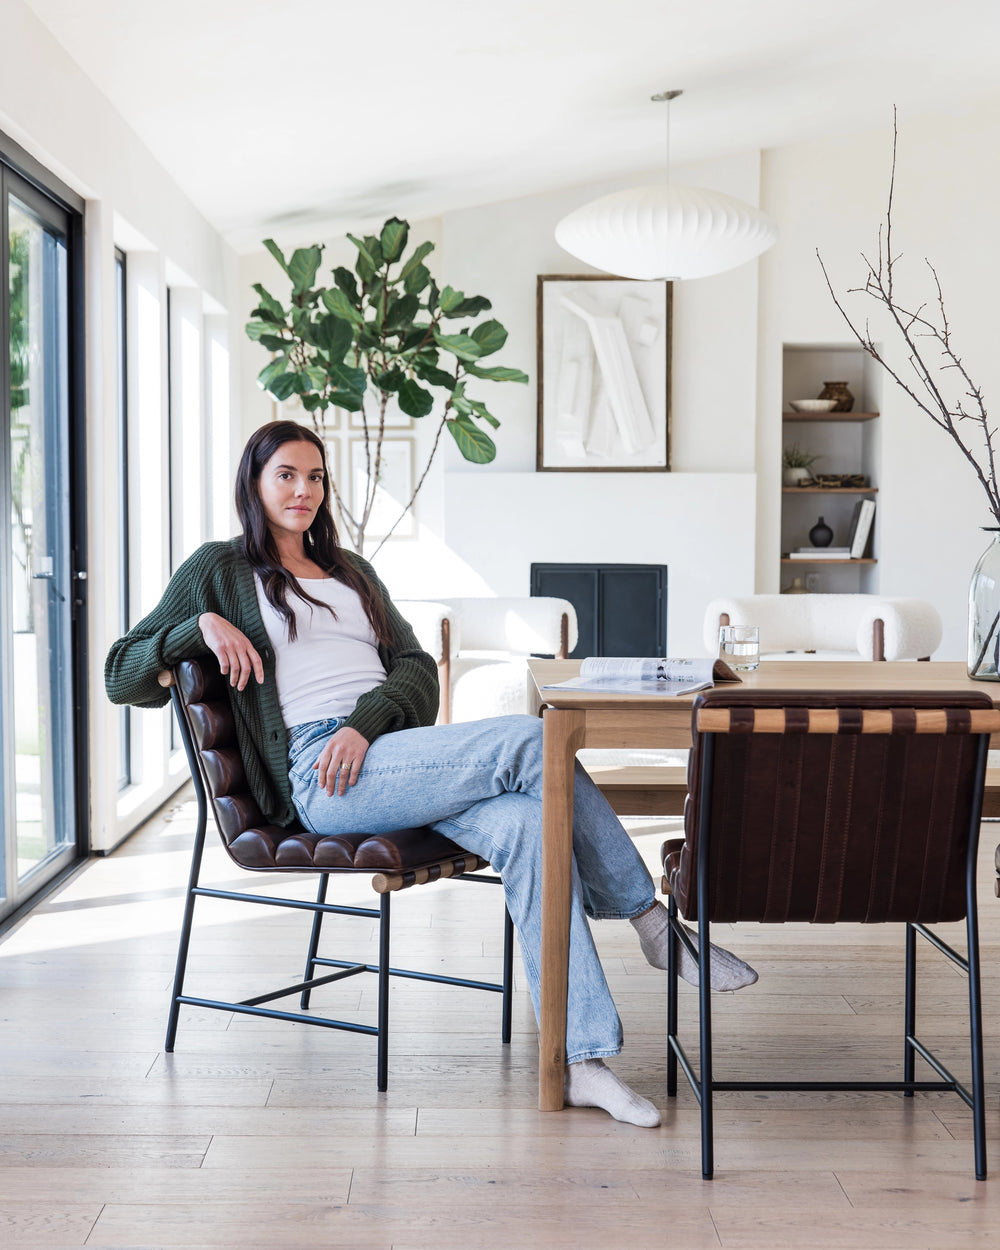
(603, 374)
(394, 490)
(291, 409)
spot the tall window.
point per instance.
(42, 581)
(121, 372)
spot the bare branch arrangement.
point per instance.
(937, 380)
(939, 384)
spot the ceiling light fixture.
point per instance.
(666, 231)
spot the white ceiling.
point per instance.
(297, 118)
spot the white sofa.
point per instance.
(830, 627)
(482, 646)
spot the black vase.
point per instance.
(821, 535)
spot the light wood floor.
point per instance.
(265, 1134)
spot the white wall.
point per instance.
(50, 108)
(481, 527)
(832, 196)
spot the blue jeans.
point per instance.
(480, 784)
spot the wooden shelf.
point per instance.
(829, 416)
(845, 560)
(829, 490)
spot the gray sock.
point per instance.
(727, 971)
(591, 1083)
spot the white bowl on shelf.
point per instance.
(812, 405)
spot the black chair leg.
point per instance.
(507, 1005)
(705, 1043)
(976, 1032)
(910, 1007)
(196, 856)
(671, 1002)
(317, 926)
(383, 994)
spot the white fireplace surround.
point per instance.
(701, 525)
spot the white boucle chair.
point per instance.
(830, 627)
(482, 646)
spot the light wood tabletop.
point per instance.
(574, 719)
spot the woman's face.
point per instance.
(291, 488)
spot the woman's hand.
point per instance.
(232, 648)
(340, 760)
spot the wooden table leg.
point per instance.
(563, 735)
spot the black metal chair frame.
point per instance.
(705, 1085)
(319, 908)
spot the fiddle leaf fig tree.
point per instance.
(383, 331)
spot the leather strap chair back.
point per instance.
(850, 807)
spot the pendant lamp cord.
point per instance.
(667, 97)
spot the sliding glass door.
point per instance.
(41, 589)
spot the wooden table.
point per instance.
(576, 719)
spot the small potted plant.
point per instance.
(796, 464)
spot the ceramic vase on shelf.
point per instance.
(984, 614)
(821, 535)
(837, 391)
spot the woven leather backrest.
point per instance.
(210, 720)
(869, 823)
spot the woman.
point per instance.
(334, 703)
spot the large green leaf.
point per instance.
(338, 303)
(268, 304)
(369, 256)
(474, 444)
(417, 339)
(400, 313)
(415, 281)
(472, 407)
(490, 336)
(460, 345)
(284, 386)
(345, 377)
(413, 261)
(274, 343)
(497, 373)
(271, 371)
(316, 376)
(350, 401)
(255, 329)
(345, 280)
(471, 307)
(334, 335)
(392, 240)
(428, 372)
(303, 267)
(275, 251)
(414, 400)
(450, 299)
(390, 379)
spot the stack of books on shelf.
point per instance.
(859, 542)
(861, 528)
(820, 553)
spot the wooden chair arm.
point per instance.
(165, 678)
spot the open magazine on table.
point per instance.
(665, 678)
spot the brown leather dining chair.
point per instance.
(841, 807)
(395, 861)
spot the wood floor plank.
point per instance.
(261, 1133)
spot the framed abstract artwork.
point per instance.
(603, 374)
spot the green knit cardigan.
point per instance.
(218, 578)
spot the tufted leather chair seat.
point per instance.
(254, 843)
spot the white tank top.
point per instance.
(332, 662)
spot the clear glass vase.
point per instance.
(984, 614)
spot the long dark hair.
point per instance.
(321, 542)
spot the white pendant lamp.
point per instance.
(666, 231)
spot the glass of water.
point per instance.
(739, 646)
